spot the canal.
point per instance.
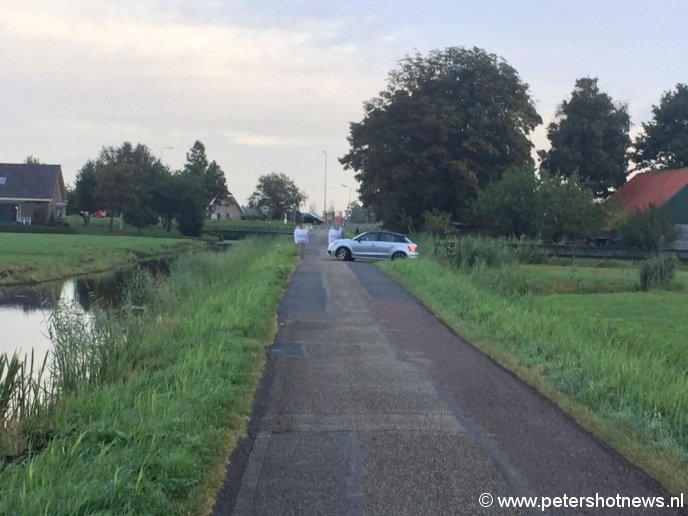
(25, 311)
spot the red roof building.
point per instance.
(662, 188)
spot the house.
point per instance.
(667, 189)
(31, 193)
(224, 208)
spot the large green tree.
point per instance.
(118, 188)
(127, 179)
(189, 203)
(447, 124)
(664, 141)
(590, 138)
(210, 173)
(511, 206)
(569, 209)
(275, 195)
(84, 191)
(523, 203)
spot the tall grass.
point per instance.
(88, 349)
(656, 272)
(155, 439)
(26, 402)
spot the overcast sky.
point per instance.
(268, 86)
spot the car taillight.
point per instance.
(412, 248)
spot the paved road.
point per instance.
(370, 405)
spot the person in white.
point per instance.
(334, 234)
(301, 234)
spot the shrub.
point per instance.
(438, 223)
(528, 251)
(656, 272)
(470, 252)
(651, 229)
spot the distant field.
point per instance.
(274, 225)
(31, 258)
(574, 279)
(98, 226)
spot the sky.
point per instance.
(272, 86)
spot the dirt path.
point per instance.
(370, 405)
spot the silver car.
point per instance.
(376, 245)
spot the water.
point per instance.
(25, 312)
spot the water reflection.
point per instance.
(25, 312)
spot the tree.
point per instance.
(275, 195)
(589, 138)
(446, 125)
(523, 204)
(569, 209)
(140, 172)
(511, 206)
(32, 160)
(210, 174)
(190, 203)
(664, 141)
(84, 191)
(359, 214)
(116, 188)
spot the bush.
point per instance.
(528, 251)
(656, 272)
(438, 223)
(652, 229)
(470, 252)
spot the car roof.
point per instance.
(385, 232)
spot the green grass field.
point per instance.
(32, 258)
(613, 357)
(582, 279)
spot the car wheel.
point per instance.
(342, 254)
(398, 256)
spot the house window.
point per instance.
(2, 180)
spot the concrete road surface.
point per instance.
(370, 405)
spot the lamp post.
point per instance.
(162, 151)
(325, 198)
(348, 201)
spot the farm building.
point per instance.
(31, 193)
(225, 208)
(667, 189)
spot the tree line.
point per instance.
(450, 134)
(130, 181)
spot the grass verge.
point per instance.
(620, 375)
(156, 440)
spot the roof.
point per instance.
(29, 181)
(229, 197)
(656, 188)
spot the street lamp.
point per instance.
(325, 198)
(348, 202)
(349, 199)
(163, 150)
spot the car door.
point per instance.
(385, 245)
(364, 245)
